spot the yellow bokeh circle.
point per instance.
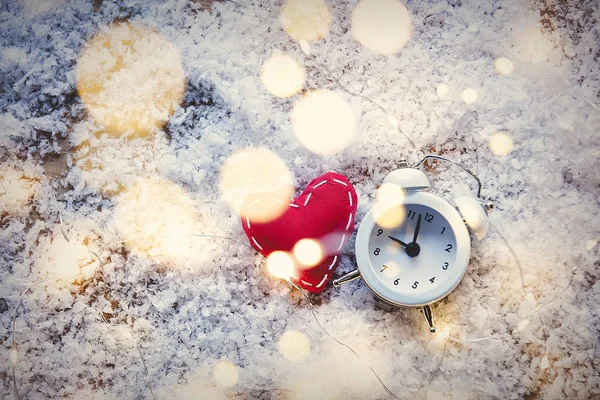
(253, 171)
(382, 26)
(306, 20)
(282, 76)
(294, 345)
(130, 79)
(501, 144)
(280, 264)
(323, 122)
(308, 252)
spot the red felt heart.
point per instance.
(324, 212)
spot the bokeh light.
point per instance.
(67, 261)
(294, 345)
(532, 45)
(323, 122)
(388, 215)
(308, 252)
(390, 193)
(504, 66)
(130, 79)
(469, 96)
(283, 76)
(389, 211)
(154, 217)
(382, 26)
(255, 170)
(501, 143)
(442, 90)
(17, 188)
(281, 265)
(226, 373)
(392, 268)
(307, 20)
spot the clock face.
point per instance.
(418, 261)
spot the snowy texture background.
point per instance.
(187, 304)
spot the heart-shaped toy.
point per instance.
(324, 212)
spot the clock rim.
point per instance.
(463, 251)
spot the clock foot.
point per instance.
(349, 277)
(429, 317)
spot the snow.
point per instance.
(117, 294)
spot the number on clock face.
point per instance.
(420, 249)
(428, 217)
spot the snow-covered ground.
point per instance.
(119, 297)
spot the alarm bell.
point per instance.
(474, 214)
(408, 178)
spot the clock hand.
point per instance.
(398, 241)
(417, 229)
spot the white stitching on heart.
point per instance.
(349, 221)
(333, 262)
(350, 198)
(307, 199)
(308, 283)
(322, 280)
(256, 243)
(294, 205)
(322, 183)
(248, 221)
(342, 242)
(340, 182)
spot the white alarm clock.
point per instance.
(424, 256)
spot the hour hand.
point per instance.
(398, 241)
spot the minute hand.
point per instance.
(417, 229)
